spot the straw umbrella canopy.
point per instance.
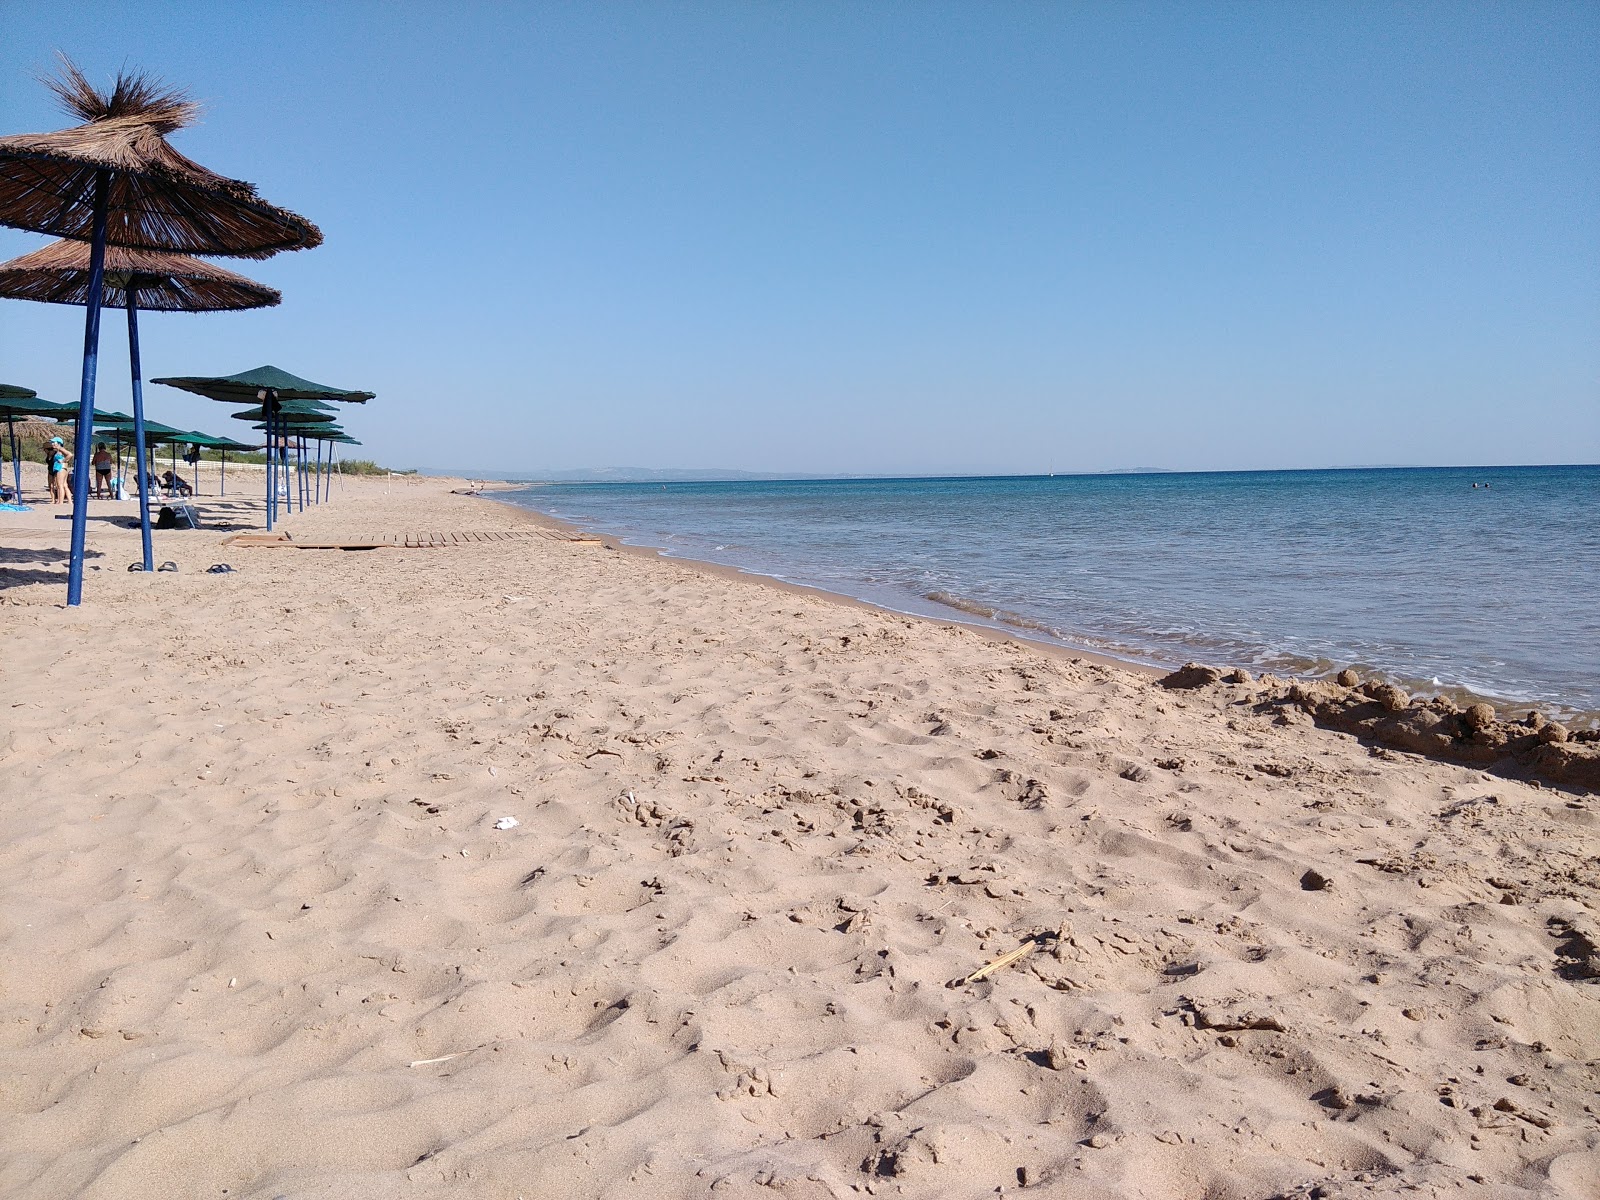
(114, 179)
(273, 387)
(132, 279)
(155, 198)
(153, 280)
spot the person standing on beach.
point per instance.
(102, 472)
(56, 458)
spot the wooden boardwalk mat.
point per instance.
(407, 541)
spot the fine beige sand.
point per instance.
(260, 935)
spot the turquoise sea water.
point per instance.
(1411, 573)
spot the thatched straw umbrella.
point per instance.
(115, 180)
(274, 388)
(132, 279)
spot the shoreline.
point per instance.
(1461, 695)
(724, 571)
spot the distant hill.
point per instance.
(631, 475)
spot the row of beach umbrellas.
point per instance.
(21, 402)
(132, 211)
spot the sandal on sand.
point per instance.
(169, 565)
(135, 566)
(219, 569)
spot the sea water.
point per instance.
(1416, 575)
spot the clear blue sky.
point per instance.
(885, 237)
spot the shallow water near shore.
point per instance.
(1415, 574)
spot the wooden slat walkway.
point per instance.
(407, 541)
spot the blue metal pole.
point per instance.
(316, 492)
(16, 463)
(82, 464)
(222, 488)
(138, 427)
(272, 487)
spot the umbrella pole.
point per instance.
(138, 427)
(223, 485)
(16, 463)
(91, 361)
(272, 490)
(319, 470)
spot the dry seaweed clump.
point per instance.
(1438, 728)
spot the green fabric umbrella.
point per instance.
(197, 440)
(287, 412)
(222, 444)
(10, 391)
(317, 426)
(118, 422)
(120, 425)
(132, 280)
(271, 386)
(11, 409)
(247, 386)
(48, 408)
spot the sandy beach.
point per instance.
(532, 867)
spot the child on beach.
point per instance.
(56, 458)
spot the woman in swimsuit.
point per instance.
(102, 472)
(56, 458)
